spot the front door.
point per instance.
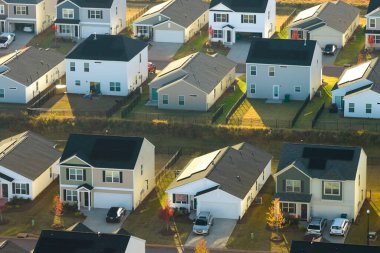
(4, 190)
(86, 198)
(276, 92)
(303, 211)
(154, 94)
(228, 36)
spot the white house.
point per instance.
(112, 65)
(321, 180)
(224, 182)
(28, 164)
(372, 29)
(230, 20)
(26, 73)
(279, 69)
(327, 23)
(357, 92)
(173, 21)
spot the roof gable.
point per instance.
(185, 12)
(373, 5)
(256, 6)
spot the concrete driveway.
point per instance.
(239, 51)
(161, 51)
(22, 38)
(334, 238)
(96, 221)
(329, 60)
(218, 236)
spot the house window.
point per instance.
(140, 57)
(220, 17)
(359, 180)
(377, 39)
(253, 88)
(372, 23)
(2, 9)
(77, 82)
(116, 10)
(115, 86)
(253, 70)
(68, 13)
(297, 89)
(71, 195)
(21, 188)
(288, 207)
(293, 186)
(368, 108)
(248, 19)
(37, 86)
(50, 172)
(21, 10)
(268, 15)
(169, 25)
(217, 34)
(271, 71)
(95, 14)
(142, 169)
(165, 99)
(86, 67)
(112, 176)
(180, 198)
(181, 100)
(142, 30)
(72, 66)
(331, 188)
(76, 174)
(47, 78)
(351, 107)
(2, 93)
(65, 29)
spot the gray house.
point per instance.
(194, 82)
(276, 69)
(78, 19)
(321, 180)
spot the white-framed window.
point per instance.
(115, 86)
(112, 176)
(68, 13)
(21, 10)
(116, 10)
(71, 195)
(142, 169)
(331, 188)
(288, 207)
(253, 70)
(21, 188)
(217, 34)
(65, 29)
(86, 67)
(377, 39)
(95, 14)
(372, 23)
(181, 100)
(165, 99)
(180, 198)
(47, 78)
(2, 9)
(368, 108)
(2, 93)
(297, 89)
(293, 185)
(169, 24)
(271, 71)
(77, 82)
(72, 66)
(253, 88)
(220, 17)
(142, 29)
(351, 107)
(76, 174)
(248, 19)
(268, 15)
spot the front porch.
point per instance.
(143, 31)
(67, 29)
(295, 205)
(84, 193)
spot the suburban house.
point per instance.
(321, 180)
(172, 21)
(26, 73)
(327, 247)
(69, 241)
(194, 82)
(230, 20)
(28, 164)
(78, 19)
(372, 29)
(8, 246)
(101, 171)
(357, 92)
(32, 16)
(112, 65)
(224, 182)
(283, 69)
(327, 23)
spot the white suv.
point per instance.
(316, 225)
(339, 226)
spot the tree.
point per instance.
(166, 213)
(201, 247)
(58, 212)
(2, 208)
(275, 218)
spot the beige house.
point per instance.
(103, 171)
(194, 82)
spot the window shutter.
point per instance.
(254, 19)
(187, 199)
(67, 174)
(13, 188)
(27, 189)
(101, 14)
(284, 185)
(214, 15)
(14, 9)
(173, 198)
(121, 177)
(241, 18)
(64, 195)
(84, 175)
(88, 13)
(104, 176)
(302, 186)
(227, 17)
(27, 10)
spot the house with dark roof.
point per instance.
(233, 20)
(278, 69)
(32, 16)
(101, 171)
(78, 19)
(11, 247)
(174, 21)
(82, 242)
(372, 29)
(324, 247)
(224, 182)
(194, 82)
(325, 181)
(25, 73)
(327, 23)
(117, 69)
(28, 164)
(357, 91)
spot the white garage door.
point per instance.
(88, 30)
(168, 36)
(220, 210)
(106, 200)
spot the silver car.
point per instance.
(202, 223)
(6, 39)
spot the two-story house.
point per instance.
(78, 19)
(321, 180)
(26, 15)
(230, 20)
(278, 69)
(372, 29)
(100, 171)
(112, 65)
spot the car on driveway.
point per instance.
(115, 214)
(6, 39)
(202, 223)
(339, 226)
(316, 225)
(330, 49)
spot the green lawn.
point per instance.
(349, 54)
(47, 39)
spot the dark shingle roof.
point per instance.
(277, 51)
(79, 227)
(76, 242)
(321, 161)
(104, 151)
(293, 197)
(91, 3)
(324, 247)
(255, 6)
(122, 231)
(28, 154)
(185, 12)
(108, 48)
(373, 4)
(10, 247)
(23, 1)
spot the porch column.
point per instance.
(78, 198)
(89, 201)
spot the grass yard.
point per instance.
(350, 52)
(309, 3)
(47, 39)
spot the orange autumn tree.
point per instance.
(58, 212)
(166, 213)
(275, 217)
(201, 247)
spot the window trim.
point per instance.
(292, 185)
(76, 174)
(2, 9)
(255, 71)
(351, 107)
(163, 99)
(179, 100)
(252, 87)
(374, 25)
(180, 202)
(115, 86)
(217, 34)
(21, 10)
(84, 67)
(73, 197)
(295, 88)
(248, 19)
(219, 17)
(69, 13)
(112, 177)
(72, 66)
(368, 110)
(95, 14)
(332, 193)
(269, 71)
(3, 94)
(294, 205)
(18, 187)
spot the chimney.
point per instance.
(238, 178)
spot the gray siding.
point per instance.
(31, 11)
(293, 174)
(332, 197)
(14, 91)
(67, 5)
(84, 16)
(64, 180)
(5, 8)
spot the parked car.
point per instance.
(330, 49)
(28, 29)
(316, 225)
(6, 39)
(339, 226)
(202, 223)
(151, 68)
(115, 214)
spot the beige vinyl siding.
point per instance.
(165, 26)
(326, 35)
(347, 35)
(75, 161)
(191, 30)
(127, 181)
(220, 88)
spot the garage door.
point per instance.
(106, 200)
(220, 210)
(88, 30)
(168, 36)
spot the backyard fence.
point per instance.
(294, 120)
(258, 123)
(166, 118)
(348, 125)
(316, 116)
(168, 165)
(217, 114)
(42, 98)
(288, 20)
(137, 15)
(128, 108)
(234, 107)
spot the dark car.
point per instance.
(115, 214)
(330, 49)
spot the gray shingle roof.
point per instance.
(28, 154)
(327, 247)
(10, 247)
(23, 1)
(91, 3)
(256, 6)
(79, 227)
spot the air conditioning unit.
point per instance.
(258, 200)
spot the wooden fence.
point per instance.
(316, 116)
(288, 20)
(234, 107)
(168, 165)
(137, 15)
(294, 120)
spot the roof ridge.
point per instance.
(18, 140)
(219, 157)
